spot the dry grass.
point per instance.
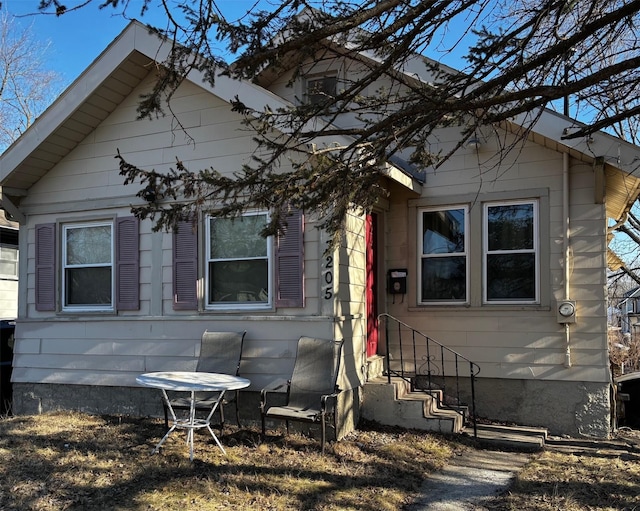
(73, 461)
(575, 475)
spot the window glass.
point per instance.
(443, 269)
(87, 266)
(511, 277)
(237, 237)
(510, 227)
(511, 258)
(9, 261)
(321, 89)
(88, 245)
(238, 263)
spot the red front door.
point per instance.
(372, 287)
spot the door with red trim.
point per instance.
(372, 284)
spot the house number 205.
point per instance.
(327, 271)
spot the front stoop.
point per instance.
(393, 404)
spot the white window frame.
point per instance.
(423, 256)
(6, 248)
(535, 250)
(248, 305)
(64, 266)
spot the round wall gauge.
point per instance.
(567, 309)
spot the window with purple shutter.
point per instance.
(290, 262)
(127, 264)
(185, 267)
(45, 267)
(239, 262)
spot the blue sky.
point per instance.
(77, 38)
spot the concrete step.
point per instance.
(435, 404)
(513, 438)
(394, 404)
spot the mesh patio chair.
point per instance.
(220, 352)
(311, 393)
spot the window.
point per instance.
(87, 266)
(8, 262)
(98, 264)
(443, 261)
(242, 270)
(321, 89)
(511, 252)
(238, 264)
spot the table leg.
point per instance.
(190, 424)
(173, 426)
(208, 420)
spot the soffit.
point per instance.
(614, 263)
(622, 188)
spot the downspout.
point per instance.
(566, 251)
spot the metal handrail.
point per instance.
(430, 366)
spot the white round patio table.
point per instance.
(192, 382)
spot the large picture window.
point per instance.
(87, 266)
(443, 261)
(238, 262)
(511, 252)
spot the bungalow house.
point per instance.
(503, 262)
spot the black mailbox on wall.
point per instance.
(397, 281)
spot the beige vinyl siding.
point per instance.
(8, 298)
(351, 293)
(113, 349)
(515, 341)
(90, 171)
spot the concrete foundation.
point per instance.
(576, 409)
(33, 399)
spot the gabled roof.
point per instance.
(136, 52)
(616, 162)
(95, 94)
(83, 106)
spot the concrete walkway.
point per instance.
(470, 478)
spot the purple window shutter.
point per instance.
(127, 264)
(185, 266)
(290, 262)
(46, 267)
